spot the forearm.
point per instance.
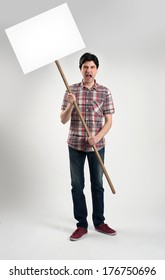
(94, 139)
(66, 114)
(104, 130)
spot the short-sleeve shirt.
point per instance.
(94, 104)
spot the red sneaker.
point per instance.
(104, 228)
(78, 233)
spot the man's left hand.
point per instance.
(93, 140)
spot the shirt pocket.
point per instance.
(97, 107)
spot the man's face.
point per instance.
(89, 71)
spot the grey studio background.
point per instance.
(36, 217)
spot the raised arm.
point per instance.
(66, 114)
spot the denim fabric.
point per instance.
(77, 161)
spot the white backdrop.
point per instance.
(128, 38)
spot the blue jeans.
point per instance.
(77, 161)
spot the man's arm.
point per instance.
(93, 140)
(66, 114)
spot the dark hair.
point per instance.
(88, 57)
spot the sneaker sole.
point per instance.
(76, 239)
(112, 234)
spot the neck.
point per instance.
(88, 85)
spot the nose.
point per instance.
(88, 70)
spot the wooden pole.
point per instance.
(86, 128)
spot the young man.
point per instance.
(96, 104)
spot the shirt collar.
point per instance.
(95, 86)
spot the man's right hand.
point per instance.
(71, 98)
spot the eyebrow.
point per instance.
(92, 66)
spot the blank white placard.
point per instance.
(45, 38)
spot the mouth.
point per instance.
(88, 76)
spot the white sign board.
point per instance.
(45, 38)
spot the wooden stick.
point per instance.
(86, 128)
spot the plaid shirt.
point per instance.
(93, 103)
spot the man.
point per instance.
(96, 104)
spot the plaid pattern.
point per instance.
(94, 103)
